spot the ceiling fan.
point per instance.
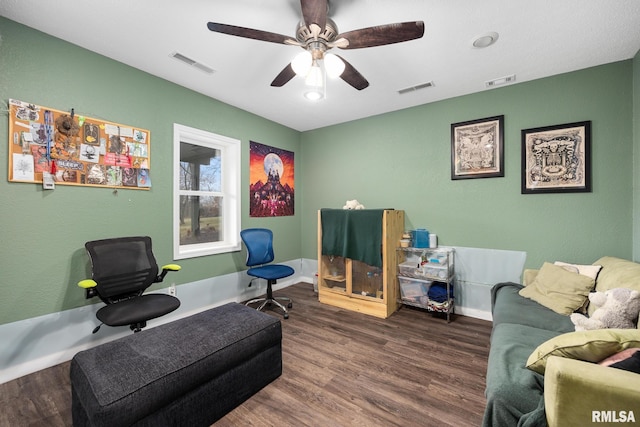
(317, 34)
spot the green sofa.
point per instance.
(542, 372)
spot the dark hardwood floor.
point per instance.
(340, 368)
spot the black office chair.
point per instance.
(122, 269)
(259, 243)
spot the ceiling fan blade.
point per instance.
(382, 35)
(250, 33)
(283, 78)
(353, 76)
(314, 12)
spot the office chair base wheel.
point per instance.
(271, 303)
(137, 327)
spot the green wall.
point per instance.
(399, 160)
(43, 232)
(402, 160)
(636, 156)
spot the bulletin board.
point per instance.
(70, 149)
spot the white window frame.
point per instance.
(231, 167)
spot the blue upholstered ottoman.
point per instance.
(189, 372)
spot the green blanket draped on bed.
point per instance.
(355, 234)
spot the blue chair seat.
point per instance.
(271, 272)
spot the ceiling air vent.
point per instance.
(192, 62)
(501, 81)
(414, 88)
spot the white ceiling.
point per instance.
(536, 39)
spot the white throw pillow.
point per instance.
(586, 270)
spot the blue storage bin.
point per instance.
(420, 238)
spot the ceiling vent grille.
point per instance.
(415, 88)
(192, 62)
(501, 81)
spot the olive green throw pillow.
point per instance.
(558, 289)
(589, 346)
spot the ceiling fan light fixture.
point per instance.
(314, 77)
(301, 64)
(313, 95)
(334, 65)
(315, 82)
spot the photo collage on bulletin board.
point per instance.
(72, 149)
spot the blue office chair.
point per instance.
(259, 243)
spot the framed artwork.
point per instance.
(557, 159)
(477, 148)
(271, 177)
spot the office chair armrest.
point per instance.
(87, 283)
(167, 268)
(171, 267)
(89, 286)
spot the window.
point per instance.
(206, 193)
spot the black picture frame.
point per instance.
(557, 159)
(477, 148)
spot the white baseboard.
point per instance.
(37, 343)
(41, 342)
(472, 312)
